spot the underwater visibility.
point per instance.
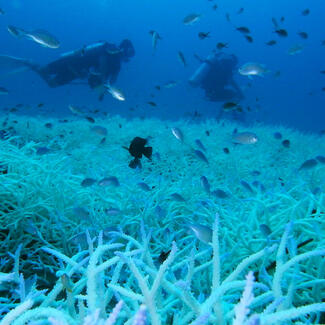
(162, 162)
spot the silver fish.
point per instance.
(116, 93)
(251, 69)
(154, 37)
(178, 134)
(244, 138)
(109, 181)
(190, 19)
(100, 130)
(201, 232)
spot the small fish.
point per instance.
(160, 212)
(305, 12)
(277, 135)
(221, 45)
(81, 213)
(191, 19)
(109, 181)
(258, 185)
(75, 110)
(247, 186)
(205, 184)
(178, 134)
(265, 230)
(181, 58)
(112, 211)
(295, 49)
(303, 35)
(66, 282)
(177, 197)
(252, 69)
(137, 148)
(201, 232)
(144, 186)
(271, 42)
(201, 156)
(154, 37)
(322, 71)
(90, 119)
(249, 38)
(3, 91)
(275, 23)
(203, 35)
(229, 106)
(100, 130)
(42, 151)
(163, 256)
(2, 12)
(321, 159)
(170, 84)
(226, 150)
(40, 105)
(243, 30)
(153, 104)
(286, 143)
(244, 138)
(240, 11)
(308, 164)
(48, 125)
(200, 144)
(88, 182)
(281, 32)
(255, 173)
(220, 194)
(215, 7)
(228, 17)
(115, 92)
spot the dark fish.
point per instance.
(158, 87)
(215, 7)
(229, 105)
(181, 58)
(271, 42)
(228, 17)
(226, 151)
(286, 143)
(144, 186)
(303, 35)
(177, 197)
(137, 149)
(89, 119)
(255, 173)
(201, 156)
(277, 135)
(207, 132)
(42, 151)
(163, 256)
(247, 186)
(109, 181)
(281, 32)
(200, 144)
(203, 35)
(321, 159)
(258, 185)
(102, 141)
(308, 164)
(152, 104)
(205, 184)
(243, 30)
(275, 23)
(2, 12)
(40, 105)
(265, 230)
(305, 12)
(88, 182)
(221, 45)
(249, 39)
(220, 194)
(240, 11)
(323, 43)
(48, 125)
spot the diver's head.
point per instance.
(127, 49)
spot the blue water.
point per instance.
(293, 99)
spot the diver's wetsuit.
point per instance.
(97, 63)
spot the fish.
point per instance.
(295, 49)
(191, 19)
(137, 148)
(305, 12)
(200, 144)
(215, 7)
(100, 130)
(251, 69)
(3, 91)
(154, 39)
(48, 125)
(277, 135)
(163, 256)
(181, 58)
(115, 92)
(112, 211)
(81, 213)
(178, 134)
(201, 232)
(255, 173)
(226, 150)
(40, 36)
(75, 110)
(42, 151)
(144, 186)
(170, 84)
(265, 230)
(90, 119)
(2, 12)
(303, 35)
(231, 106)
(221, 45)
(246, 186)
(322, 71)
(220, 194)
(109, 181)
(286, 143)
(308, 164)
(88, 182)
(203, 35)
(177, 197)
(153, 104)
(66, 282)
(201, 156)
(275, 23)
(271, 42)
(240, 11)
(205, 184)
(281, 32)
(243, 30)
(249, 38)
(228, 17)
(320, 159)
(244, 138)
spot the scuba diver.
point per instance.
(99, 63)
(215, 76)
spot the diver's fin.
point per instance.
(135, 163)
(147, 151)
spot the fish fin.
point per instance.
(135, 163)
(147, 152)
(126, 148)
